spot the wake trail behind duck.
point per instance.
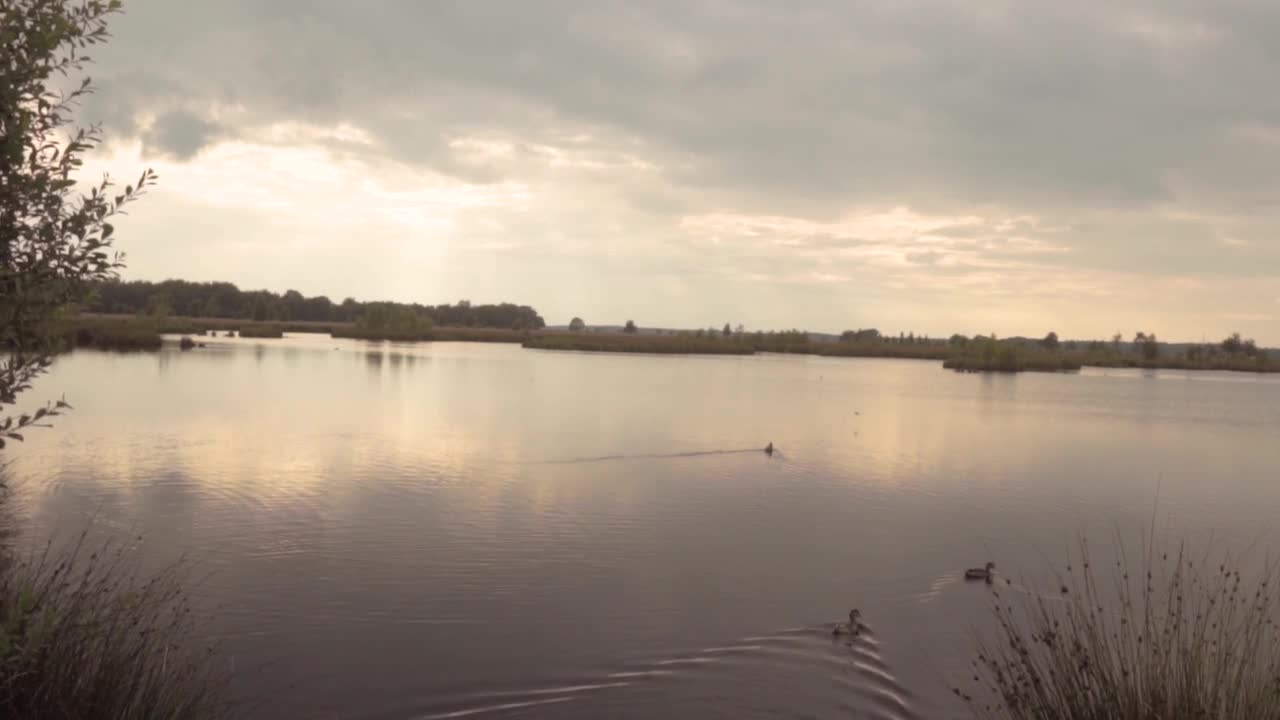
(648, 456)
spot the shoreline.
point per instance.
(141, 333)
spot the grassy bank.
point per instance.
(623, 343)
(1177, 636)
(81, 636)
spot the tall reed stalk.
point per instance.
(83, 636)
(1182, 637)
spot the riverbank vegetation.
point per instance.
(399, 323)
(631, 343)
(1179, 636)
(82, 636)
(224, 300)
(991, 355)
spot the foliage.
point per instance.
(389, 321)
(991, 355)
(577, 325)
(225, 300)
(861, 336)
(1050, 341)
(82, 637)
(54, 240)
(630, 327)
(1178, 637)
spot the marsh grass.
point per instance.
(261, 330)
(82, 635)
(1179, 637)
(111, 333)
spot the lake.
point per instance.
(465, 530)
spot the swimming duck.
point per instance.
(768, 449)
(983, 573)
(853, 627)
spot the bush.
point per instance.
(1179, 638)
(82, 637)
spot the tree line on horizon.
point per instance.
(225, 300)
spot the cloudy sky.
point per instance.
(933, 167)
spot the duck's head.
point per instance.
(854, 616)
(991, 566)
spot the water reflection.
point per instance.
(478, 530)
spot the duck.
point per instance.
(983, 573)
(768, 449)
(851, 628)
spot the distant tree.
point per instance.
(1095, 346)
(1070, 346)
(727, 331)
(740, 330)
(1150, 347)
(577, 325)
(1050, 341)
(1249, 348)
(1233, 344)
(158, 305)
(630, 327)
(958, 340)
(1115, 341)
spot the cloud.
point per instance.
(179, 134)
(1042, 146)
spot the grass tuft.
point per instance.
(82, 636)
(1179, 637)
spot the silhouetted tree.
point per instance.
(1233, 344)
(630, 327)
(1150, 347)
(577, 325)
(1050, 341)
(727, 330)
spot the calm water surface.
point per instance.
(461, 530)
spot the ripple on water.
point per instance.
(865, 684)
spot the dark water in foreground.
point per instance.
(479, 531)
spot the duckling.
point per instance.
(851, 628)
(987, 573)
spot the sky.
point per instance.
(932, 167)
